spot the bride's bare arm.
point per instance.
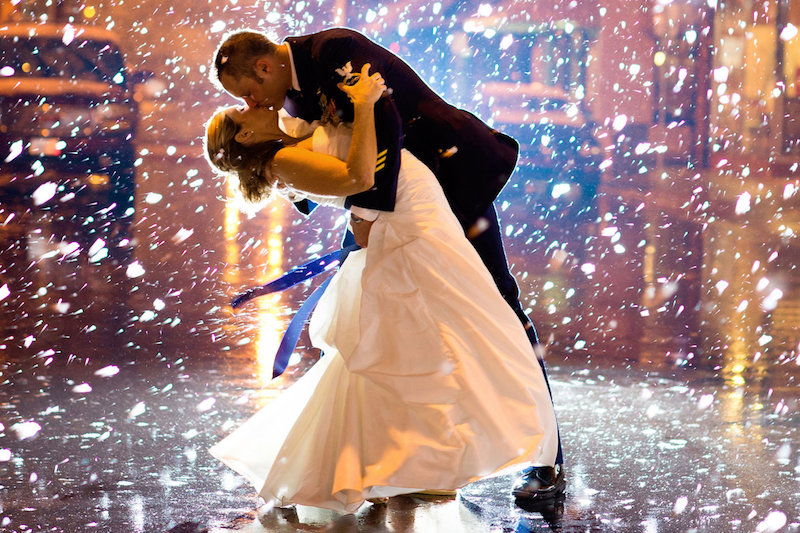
(326, 175)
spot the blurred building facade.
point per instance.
(693, 110)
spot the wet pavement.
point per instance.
(122, 364)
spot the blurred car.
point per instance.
(67, 119)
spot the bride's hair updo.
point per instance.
(249, 163)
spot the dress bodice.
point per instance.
(333, 140)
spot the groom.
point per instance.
(471, 161)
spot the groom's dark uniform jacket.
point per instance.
(471, 161)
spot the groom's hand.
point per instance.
(367, 89)
(360, 228)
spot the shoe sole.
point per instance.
(433, 494)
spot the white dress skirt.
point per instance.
(428, 380)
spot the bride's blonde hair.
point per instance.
(250, 164)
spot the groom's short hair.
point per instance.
(237, 54)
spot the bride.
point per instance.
(428, 380)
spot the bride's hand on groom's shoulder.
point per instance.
(367, 90)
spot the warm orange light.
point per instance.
(89, 12)
(269, 317)
(231, 228)
(98, 180)
(271, 321)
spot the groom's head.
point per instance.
(251, 67)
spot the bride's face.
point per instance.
(256, 125)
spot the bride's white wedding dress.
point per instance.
(428, 380)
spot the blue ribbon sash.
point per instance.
(290, 279)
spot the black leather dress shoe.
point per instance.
(540, 483)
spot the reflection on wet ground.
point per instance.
(121, 367)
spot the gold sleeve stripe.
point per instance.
(381, 162)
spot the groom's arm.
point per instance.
(389, 139)
(345, 51)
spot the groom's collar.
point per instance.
(295, 83)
